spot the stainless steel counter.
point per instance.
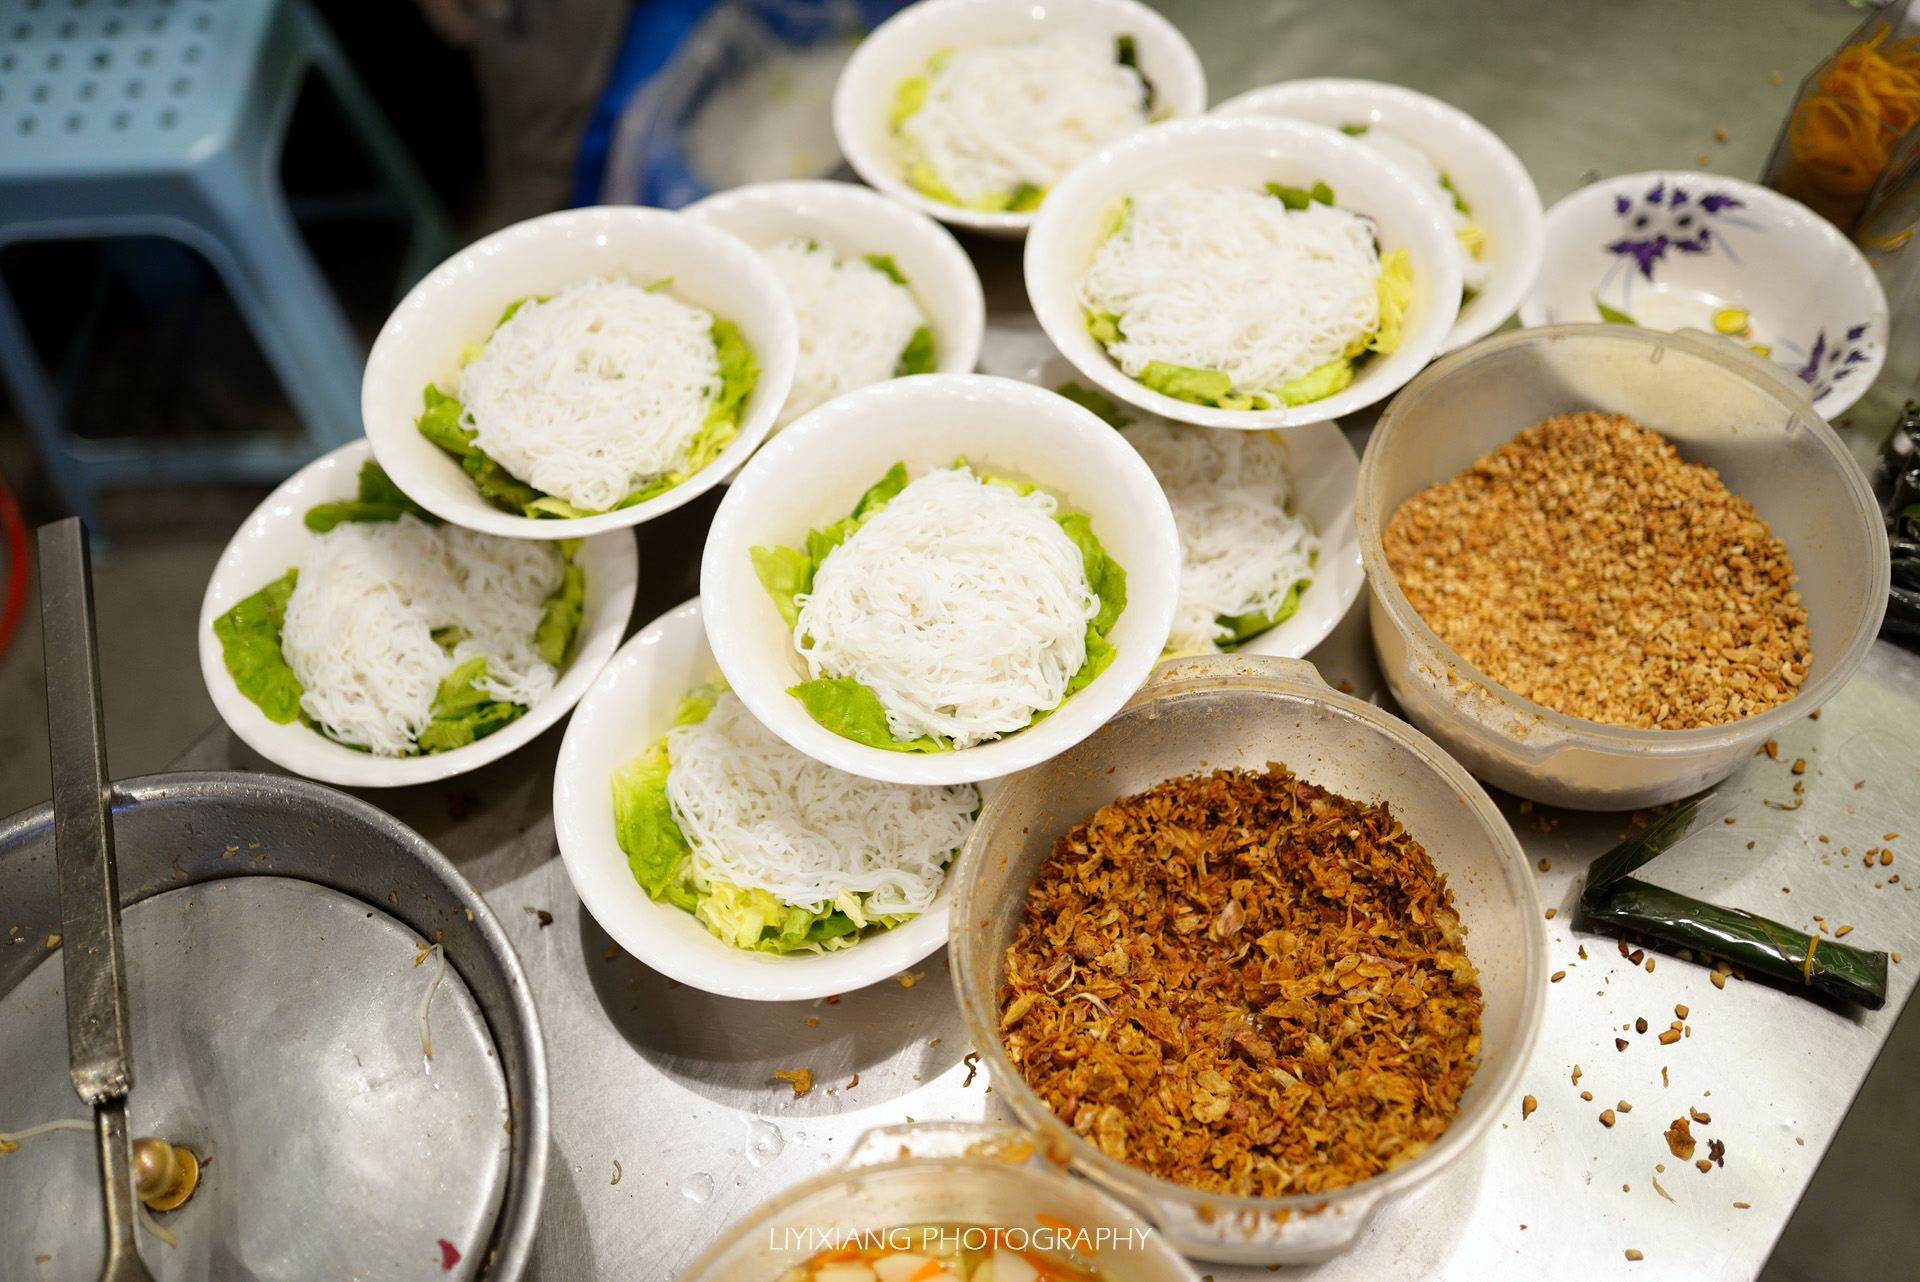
(669, 1123)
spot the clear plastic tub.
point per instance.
(945, 1174)
(1722, 406)
(1243, 711)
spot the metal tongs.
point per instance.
(99, 1040)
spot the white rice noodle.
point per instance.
(1476, 258)
(358, 628)
(761, 814)
(595, 392)
(962, 605)
(855, 321)
(1000, 116)
(1241, 551)
(1228, 279)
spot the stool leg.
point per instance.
(431, 237)
(292, 309)
(39, 405)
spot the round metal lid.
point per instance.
(276, 1034)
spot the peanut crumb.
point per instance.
(1556, 977)
(1619, 1043)
(1719, 980)
(1624, 1107)
(1799, 765)
(1576, 1074)
(1704, 1165)
(1742, 1206)
(801, 1079)
(1545, 864)
(1587, 1096)
(1634, 1255)
(1841, 931)
(1551, 912)
(1680, 1012)
(1649, 965)
(1527, 1104)
(1669, 1037)
(1606, 1117)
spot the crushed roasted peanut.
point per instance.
(1527, 1104)
(1624, 1107)
(1640, 1025)
(1585, 566)
(1587, 1096)
(1698, 1116)
(1669, 1037)
(1619, 1043)
(1680, 1012)
(1634, 1255)
(1320, 1030)
(1556, 977)
(1606, 1117)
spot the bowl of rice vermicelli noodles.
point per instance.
(1480, 184)
(971, 110)
(940, 579)
(879, 291)
(723, 857)
(351, 636)
(1251, 273)
(579, 372)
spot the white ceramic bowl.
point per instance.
(1483, 169)
(1247, 151)
(900, 47)
(622, 716)
(274, 538)
(814, 472)
(1671, 249)
(460, 302)
(1326, 474)
(855, 221)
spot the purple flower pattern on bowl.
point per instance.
(1669, 216)
(1825, 366)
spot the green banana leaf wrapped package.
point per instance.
(1614, 898)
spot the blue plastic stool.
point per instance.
(166, 118)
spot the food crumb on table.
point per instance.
(801, 1079)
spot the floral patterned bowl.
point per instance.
(1697, 251)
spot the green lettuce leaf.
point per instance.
(1105, 327)
(1087, 398)
(440, 423)
(1396, 291)
(1199, 387)
(785, 573)
(565, 608)
(852, 711)
(1354, 131)
(1243, 627)
(643, 819)
(908, 97)
(884, 263)
(463, 712)
(1459, 201)
(1300, 197)
(1612, 315)
(249, 637)
(917, 358)
(1317, 384)
(1104, 574)
(738, 373)
(379, 500)
(643, 822)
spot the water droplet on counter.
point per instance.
(825, 1159)
(698, 1188)
(764, 1141)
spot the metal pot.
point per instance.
(1722, 406)
(179, 830)
(1240, 711)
